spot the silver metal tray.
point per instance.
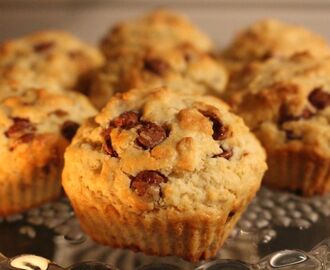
(278, 231)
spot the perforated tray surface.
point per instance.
(278, 231)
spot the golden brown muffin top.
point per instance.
(160, 29)
(148, 151)
(36, 127)
(52, 59)
(286, 102)
(272, 38)
(182, 68)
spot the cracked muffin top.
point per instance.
(36, 127)
(286, 102)
(156, 150)
(182, 68)
(272, 38)
(160, 29)
(52, 59)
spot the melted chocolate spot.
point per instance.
(44, 46)
(220, 132)
(59, 113)
(286, 116)
(126, 120)
(156, 66)
(69, 129)
(21, 127)
(319, 98)
(150, 135)
(227, 154)
(142, 182)
(107, 145)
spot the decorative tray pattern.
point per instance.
(278, 231)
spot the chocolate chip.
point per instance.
(220, 132)
(150, 135)
(144, 180)
(59, 113)
(126, 120)
(286, 116)
(44, 46)
(69, 129)
(19, 128)
(227, 154)
(319, 98)
(107, 145)
(156, 66)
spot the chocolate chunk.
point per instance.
(126, 120)
(69, 129)
(156, 66)
(319, 98)
(227, 154)
(286, 116)
(150, 135)
(144, 180)
(20, 128)
(107, 146)
(44, 46)
(220, 132)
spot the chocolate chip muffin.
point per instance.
(160, 29)
(286, 102)
(52, 59)
(271, 38)
(182, 68)
(35, 129)
(163, 172)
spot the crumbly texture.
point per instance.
(286, 102)
(35, 129)
(160, 29)
(269, 38)
(183, 69)
(163, 156)
(52, 59)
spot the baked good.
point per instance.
(52, 59)
(160, 29)
(271, 38)
(163, 172)
(182, 68)
(286, 102)
(35, 130)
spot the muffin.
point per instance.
(182, 68)
(160, 29)
(163, 172)
(286, 103)
(52, 59)
(271, 38)
(35, 130)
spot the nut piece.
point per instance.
(69, 129)
(319, 98)
(147, 182)
(126, 120)
(220, 132)
(150, 135)
(156, 66)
